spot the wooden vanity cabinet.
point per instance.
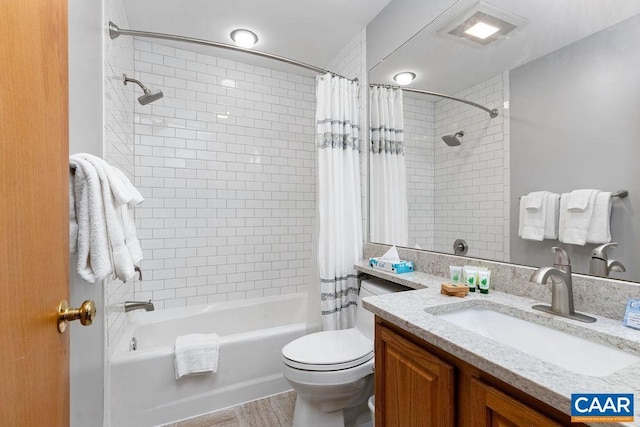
(418, 384)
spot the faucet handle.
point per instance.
(561, 256)
(601, 251)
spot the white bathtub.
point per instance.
(144, 391)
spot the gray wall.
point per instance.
(575, 123)
(85, 135)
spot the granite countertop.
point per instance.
(415, 311)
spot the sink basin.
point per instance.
(570, 352)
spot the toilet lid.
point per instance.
(328, 350)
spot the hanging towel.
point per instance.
(579, 199)
(575, 223)
(122, 263)
(534, 200)
(94, 258)
(120, 191)
(532, 220)
(196, 354)
(600, 229)
(551, 216)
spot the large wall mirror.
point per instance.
(566, 82)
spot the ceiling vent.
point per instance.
(482, 25)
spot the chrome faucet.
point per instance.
(138, 305)
(601, 265)
(562, 287)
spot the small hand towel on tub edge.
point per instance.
(196, 354)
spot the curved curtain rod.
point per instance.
(492, 113)
(115, 32)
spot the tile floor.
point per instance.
(272, 411)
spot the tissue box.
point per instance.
(632, 314)
(393, 267)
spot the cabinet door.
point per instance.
(413, 387)
(500, 410)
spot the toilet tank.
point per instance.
(369, 287)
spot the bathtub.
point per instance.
(143, 388)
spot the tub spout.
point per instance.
(138, 305)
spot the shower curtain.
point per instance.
(340, 214)
(387, 173)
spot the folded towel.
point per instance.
(600, 229)
(575, 223)
(579, 199)
(551, 216)
(532, 221)
(94, 258)
(534, 200)
(196, 354)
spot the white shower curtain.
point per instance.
(340, 216)
(387, 173)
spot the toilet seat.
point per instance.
(328, 351)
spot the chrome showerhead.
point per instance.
(452, 140)
(148, 96)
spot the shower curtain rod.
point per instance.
(492, 113)
(115, 32)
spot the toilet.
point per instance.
(332, 371)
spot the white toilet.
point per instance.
(332, 370)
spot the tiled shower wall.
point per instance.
(471, 180)
(226, 162)
(463, 191)
(420, 158)
(118, 144)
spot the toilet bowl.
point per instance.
(331, 371)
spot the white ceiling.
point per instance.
(309, 31)
(448, 66)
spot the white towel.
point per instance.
(600, 229)
(551, 216)
(532, 221)
(120, 191)
(575, 223)
(120, 256)
(196, 354)
(94, 258)
(579, 199)
(130, 235)
(534, 200)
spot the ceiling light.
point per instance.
(482, 24)
(244, 38)
(482, 30)
(404, 78)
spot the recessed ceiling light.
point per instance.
(404, 78)
(482, 24)
(244, 38)
(482, 30)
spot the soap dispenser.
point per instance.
(600, 265)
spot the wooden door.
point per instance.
(413, 387)
(501, 410)
(34, 246)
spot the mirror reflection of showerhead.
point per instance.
(148, 96)
(452, 140)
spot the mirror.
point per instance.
(567, 87)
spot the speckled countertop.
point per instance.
(415, 312)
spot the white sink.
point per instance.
(570, 352)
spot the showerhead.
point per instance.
(452, 140)
(148, 96)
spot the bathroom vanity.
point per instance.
(437, 364)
